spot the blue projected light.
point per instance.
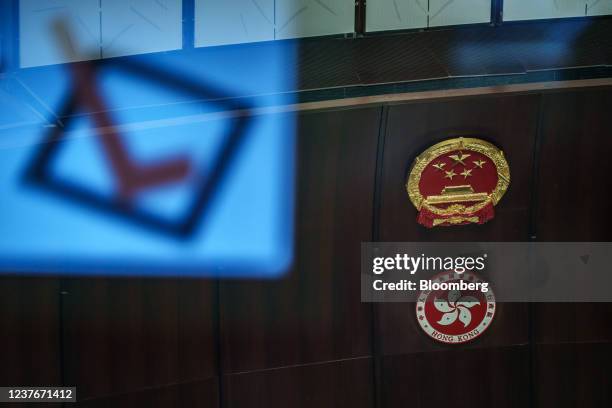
(163, 180)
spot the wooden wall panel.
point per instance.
(490, 377)
(314, 314)
(573, 193)
(344, 383)
(199, 393)
(572, 323)
(138, 338)
(572, 340)
(572, 375)
(574, 173)
(510, 123)
(30, 336)
(306, 339)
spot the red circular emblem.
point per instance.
(458, 181)
(451, 315)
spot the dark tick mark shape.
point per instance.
(131, 177)
(134, 177)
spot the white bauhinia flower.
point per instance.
(455, 307)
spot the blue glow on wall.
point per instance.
(61, 211)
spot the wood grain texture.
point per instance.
(573, 194)
(492, 370)
(306, 339)
(30, 338)
(199, 393)
(572, 375)
(459, 378)
(508, 122)
(573, 339)
(345, 383)
(574, 175)
(572, 323)
(129, 335)
(313, 314)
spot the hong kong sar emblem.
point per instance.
(451, 315)
(458, 181)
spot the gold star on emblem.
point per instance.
(439, 166)
(459, 158)
(466, 173)
(450, 174)
(479, 163)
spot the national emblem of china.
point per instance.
(455, 316)
(458, 181)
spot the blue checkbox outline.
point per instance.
(37, 173)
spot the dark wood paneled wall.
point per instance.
(31, 335)
(307, 340)
(148, 340)
(573, 342)
(500, 359)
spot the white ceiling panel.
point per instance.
(39, 44)
(541, 9)
(307, 18)
(453, 12)
(233, 21)
(243, 21)
(97, 28)
(384, 15)
(599, 7)
(140, 26)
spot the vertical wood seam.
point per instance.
(533, 216)
(378, 175)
